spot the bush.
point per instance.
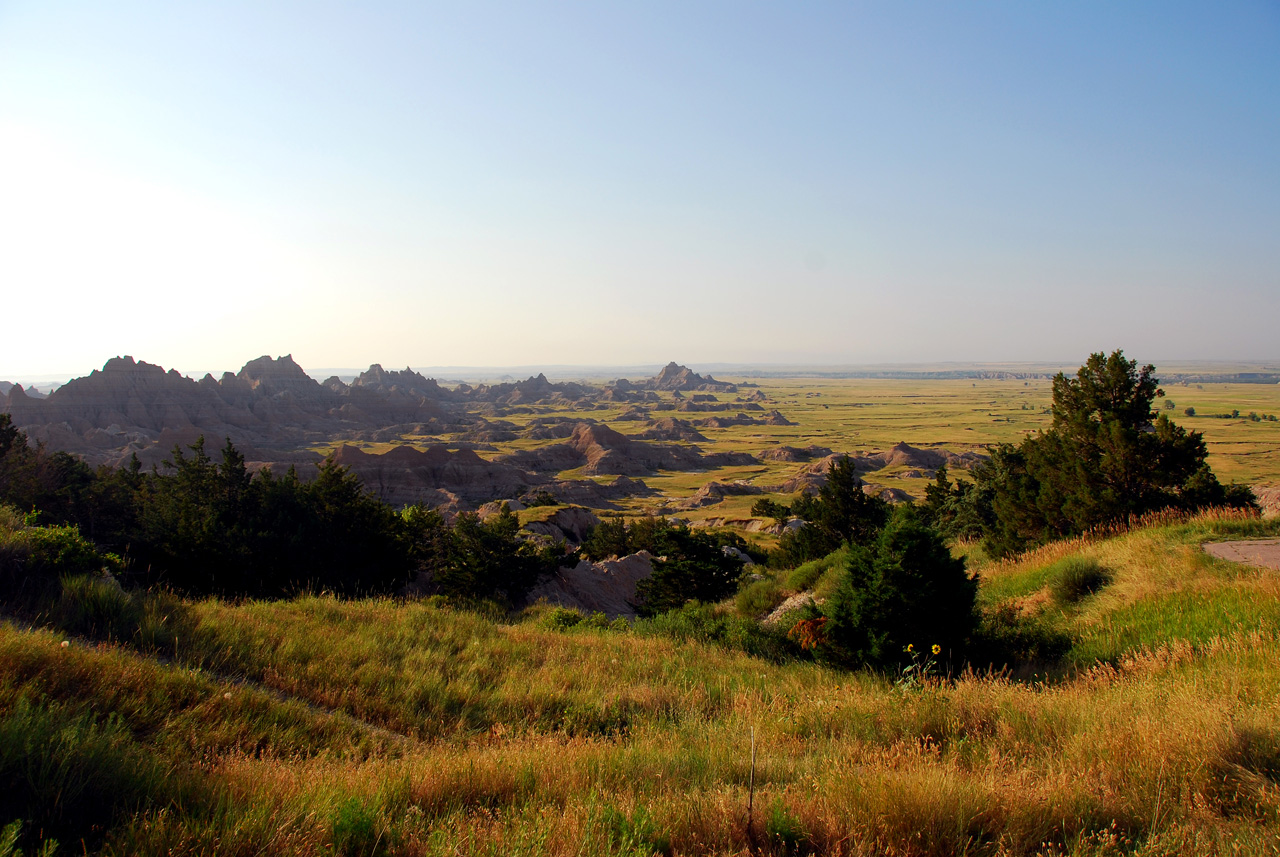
(634, 834)
(691, 565)
(904, 589)
(1076, 577)
(96, 606)
(810, 574)
(758, 598)
(704, 623)
(355, 831)
(783, 829)
(560, 618)
(1004, 637)
(33, 559)
(841, 512)
(9, 836)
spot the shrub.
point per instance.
(1004, 637)
(355, 831)
(841, 512)
(33, 559)
(560, 618)
(1076, 577)
(758, 598)
(704, 623)
(807, 575)
(9, 842)
(96, 606)
(904, 589)
(783, 829)
(635, 833)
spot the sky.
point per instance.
(516, 184)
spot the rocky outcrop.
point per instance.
(597, 495)
(905, 455)
(1268, 498)
(570, 524)
(676, 377)
(695, 407)
(599, 450)
(673, 378)
(813, 476)
(672, 429)
(772, 419)
(536, 389)
(792, 453)
(714, 492)
(435, 476)
(607, 587)
(406, 383)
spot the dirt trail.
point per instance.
(1260, 552)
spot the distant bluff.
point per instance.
(273, 409)
(676, 378)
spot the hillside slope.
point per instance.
(376, 726)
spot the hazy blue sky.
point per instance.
(605, 183)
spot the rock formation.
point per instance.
(607, 587)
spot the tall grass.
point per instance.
(524, 739)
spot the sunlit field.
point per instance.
(381, 727)
(864, 416)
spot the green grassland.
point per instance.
(319, 726)
(861, 416)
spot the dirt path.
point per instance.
(1263, 552)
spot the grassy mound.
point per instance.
(369, 727)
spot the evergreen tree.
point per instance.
(904, 588)
(1106, 457)
(841, 512)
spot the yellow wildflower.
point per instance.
(937, 650)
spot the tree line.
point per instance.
(207, 525)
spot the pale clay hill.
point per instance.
(273, 411)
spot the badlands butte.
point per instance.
(678, 443)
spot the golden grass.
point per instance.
(519, 739)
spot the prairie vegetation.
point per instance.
(376, 726)
(1110, 689)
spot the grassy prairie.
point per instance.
(870, 415)
(365, 727)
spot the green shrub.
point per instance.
(33, 559)
(635, 833)
(557, 618)
(95, 606)
(9, 842)
(560, 618)
(806, 576)
(704, 623)
(1077, 577)
(355, 831)
(758, 598)
(904, 589)
(1006, 638)
(783, 829)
